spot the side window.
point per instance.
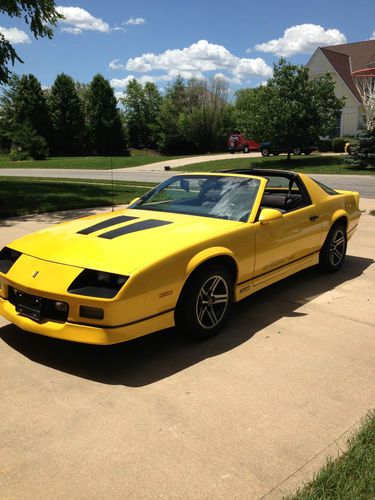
(277, 182)
(297, 196)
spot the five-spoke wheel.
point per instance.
(333, 251)
(205, 302)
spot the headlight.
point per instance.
(97, 284)
(7, 258)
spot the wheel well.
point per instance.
(222, 260)
(341, 219)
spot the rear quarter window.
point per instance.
(325, 188)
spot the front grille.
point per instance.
(47, 311)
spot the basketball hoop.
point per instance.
(364, 80)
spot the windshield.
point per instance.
(219, 196)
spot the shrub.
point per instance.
(338, 144)
(325, 145)
(362, 150)
(27, 144)
(17, 154)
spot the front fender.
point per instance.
(207, 254)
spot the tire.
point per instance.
(265, 152)
(197, 315)
(297, 151)
(246, 149)
(333, 251)
(231, 152)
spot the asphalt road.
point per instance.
(365, 184)
(248, 414)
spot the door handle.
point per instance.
(314, 217)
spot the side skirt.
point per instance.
(251, 286)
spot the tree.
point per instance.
(103, 119)
(66, 116)
(290, 110)
(170, 138)
(24, 115)
(205, 121)
(142, 104)
(194, 117)
(40, 15)
(362, 153)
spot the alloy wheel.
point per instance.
(337, 248)
(212, 302)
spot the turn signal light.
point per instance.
(91, 312)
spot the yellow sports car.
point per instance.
(179, 255)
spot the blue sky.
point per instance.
(156, 39)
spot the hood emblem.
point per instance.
(35, 274)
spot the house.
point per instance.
(340, 61)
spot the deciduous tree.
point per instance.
(291, 109)
(40, 15)
(141, 108)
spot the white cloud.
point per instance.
(372, 37)
(14, 35)
(200, 57)
(256, 66)
(79, 20)
(302, 39)
(135, 21)
(116, 65)
(119, 83)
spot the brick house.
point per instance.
(340, 61)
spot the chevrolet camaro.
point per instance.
(178, 256)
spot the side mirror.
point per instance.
(133, 201)
(269, 214)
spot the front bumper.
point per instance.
(87, 334)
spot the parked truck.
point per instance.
(238, 142)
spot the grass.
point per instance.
(315, 164)
(24, 195)
(87, 162)
(349, 477)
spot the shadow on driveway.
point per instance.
(151, 358)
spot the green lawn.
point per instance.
(87, 162)
(349, 477)
(24, 195)
(314, 164)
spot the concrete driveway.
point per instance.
(247, 415)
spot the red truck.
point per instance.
(238, 142)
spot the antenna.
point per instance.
(113, 194)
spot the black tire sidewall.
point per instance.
(324, 260)
(185, 314)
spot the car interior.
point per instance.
(284, 190)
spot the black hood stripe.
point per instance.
(106, 223)
(132, 228)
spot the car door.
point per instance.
(285, 242)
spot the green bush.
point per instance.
(338, 144)
(17, 154)
(27, 144)
(325, 145)
(362, 151)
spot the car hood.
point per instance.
(121, 241)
